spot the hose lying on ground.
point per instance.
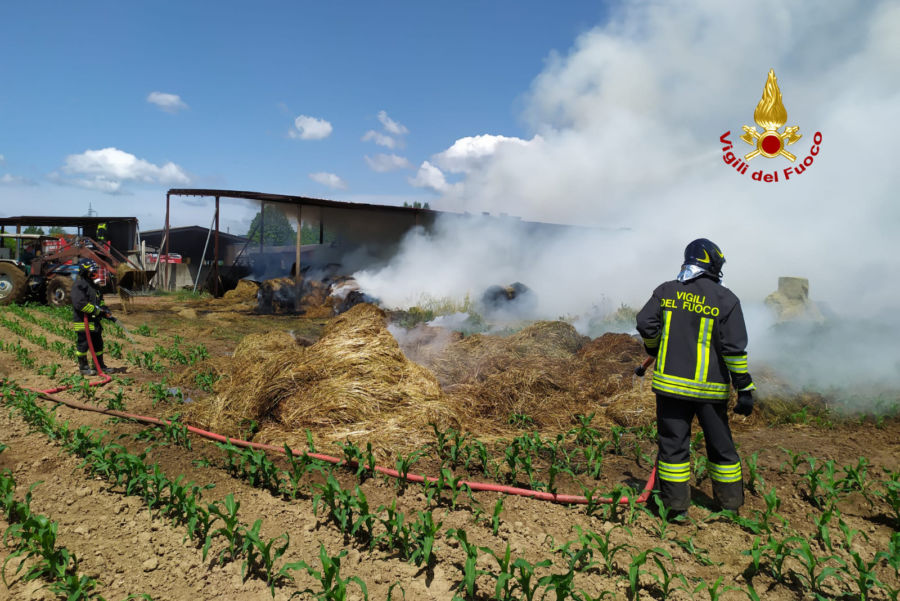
(416, 478)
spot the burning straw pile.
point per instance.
(354, 380)
(546, 371)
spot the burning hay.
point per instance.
(354, 380)
(546, 371)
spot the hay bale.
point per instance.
(354, 380)
(245, 291)
(355, 372)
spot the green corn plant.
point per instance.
(333, 585)
(442, 438)
(116, 400)
(337, 501)
(593, 459)
(584, 433)
(455, 486)
(404, 465)
(470, 569)
(855, 479)
(364, 526)
(495, 518)
(890, 495)
(603, 545)
(396, 534)
(776, 552)
(793, 461)
(422, 534)
(701, 466)
(524, 580)
(714, 590)
(615, 433)
(225, 512)
(753, 475)
(504, 577)
(206, 380)
(665, 579)
(814, 571)
(862, 572)
(299, 464)
(820, 478)
(261, 555)
(480, 453)
(559, 584)
(458, 450)
(823, 534)
(637, 562)
(699, 554)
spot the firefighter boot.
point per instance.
(729, 495)
(101, 363)
(85, 368)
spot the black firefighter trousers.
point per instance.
(95, 331)
(673, 422)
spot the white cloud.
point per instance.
(387, 162)
(466, 154)
(391, 126)
(328, 179)
(429, 177)
(15, 180)
(379, 138)
(107, 169)
(171, 103)
(310, 128)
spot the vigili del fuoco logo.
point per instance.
(771, 143)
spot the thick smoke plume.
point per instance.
(625, 132)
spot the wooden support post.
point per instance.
(159, 252)
(216, 254)
(297, 287)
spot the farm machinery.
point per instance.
(48, 275)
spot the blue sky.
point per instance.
(569, 112)
(78, 77)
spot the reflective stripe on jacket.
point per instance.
(697, 331)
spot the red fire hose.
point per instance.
(477, 486)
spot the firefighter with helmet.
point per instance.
(695, 328)
(87, 300)
(100, 236)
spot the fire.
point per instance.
(770, 113)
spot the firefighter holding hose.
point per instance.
(87, 300)
(695, 328)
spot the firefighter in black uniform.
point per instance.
(694, 327)
(87, 300)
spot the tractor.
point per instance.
(49, 275)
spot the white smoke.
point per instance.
(629, 123)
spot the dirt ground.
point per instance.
(132, 551)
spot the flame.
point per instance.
(770, 113)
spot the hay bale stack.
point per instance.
(354, 380)
(245, 292)
(356, 372)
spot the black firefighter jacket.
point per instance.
(696, 330)
(86, 300)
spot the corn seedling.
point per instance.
(470, 569)
(422, 534)
(637, 562)
(333, 586)
(225, 512)
(523, 576)
(261, 555)
(603, 545)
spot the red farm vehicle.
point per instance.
(48, 275)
